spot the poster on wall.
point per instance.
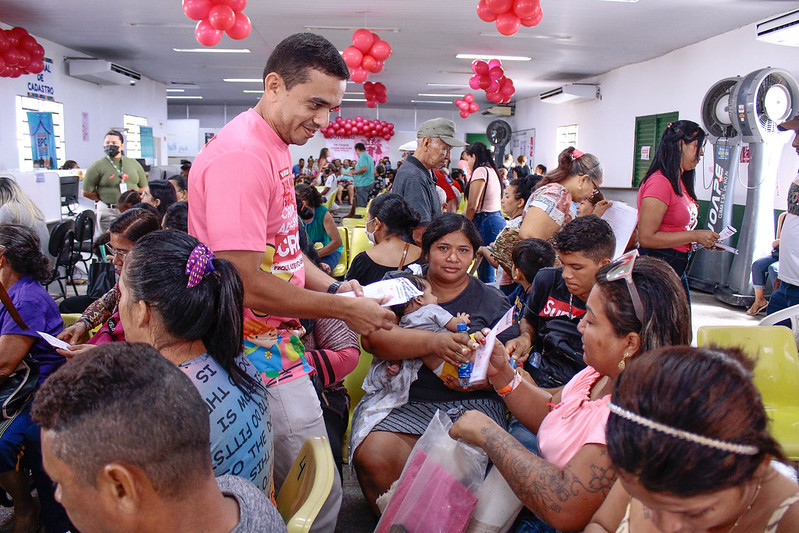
(40, 126)
(146, 140)
(42, 87)
(85, 125)
(344, 147)
(523, 143)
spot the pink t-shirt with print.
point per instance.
(681, 213)
(242, 199)
(575, 422)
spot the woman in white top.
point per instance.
(484, 200)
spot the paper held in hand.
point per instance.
(53, 341)
(395, 291)
(483, 354)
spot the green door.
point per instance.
(648, 131)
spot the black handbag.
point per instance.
(18, 388)
(102, 277)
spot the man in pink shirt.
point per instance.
(244, 209)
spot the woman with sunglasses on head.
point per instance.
(691, 449)
(635, 306)
(667, 208)
(125, 230)
(550, 206)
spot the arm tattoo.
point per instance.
(543, 487)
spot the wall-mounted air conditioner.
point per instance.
(101, 72)
(571, 93)
(782, 30)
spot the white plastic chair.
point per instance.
(789, 313)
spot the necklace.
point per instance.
(571, 298)
(751, 503)
(118, 169)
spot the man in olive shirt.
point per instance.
(109, 177)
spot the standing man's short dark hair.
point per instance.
(298, 53)
(360, 147)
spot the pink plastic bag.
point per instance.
(436, 492)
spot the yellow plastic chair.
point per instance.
(330, 200)
(341, 268)
(462, 205)
(351, 223)
(70, 318)
(361, 211)
(776, 373)
(359, 243)
(354, 384)
(307, 485)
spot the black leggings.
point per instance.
(676, 259)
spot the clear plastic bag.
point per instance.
(436, 492)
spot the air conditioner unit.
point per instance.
(571, 93)
(101, 72)
(782, 30)
(501, 110)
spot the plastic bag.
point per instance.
(436, 492)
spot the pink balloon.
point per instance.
(525, 9)
(206, 34)
(371, 104)
(380, 50)
(236, 5)
(464, 114)
(197, 9)
(494, 87)
(352, 56)
(479, 67)
(535, 19)
(368, 62)
(473, 108)
(474, 82)
(496, 73)
(460, 102)
(359, 75)
(507, 90)
(378, 66)
(484, 12)
(499, 6)
(362, 39)
(359, 117)
(241, 27)
(222, 17)
(484, 83)
(508, 23)
(339, 120)
(469, 98)
(494, 63)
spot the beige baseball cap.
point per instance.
(442, 128)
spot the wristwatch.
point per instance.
(333, 289)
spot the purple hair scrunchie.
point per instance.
(199, 264)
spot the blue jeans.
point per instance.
(331, 259)
(785, 296)
(489, 225)
(760, 269)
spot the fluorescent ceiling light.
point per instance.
(348, 28)
(159, 24)
(492, 56)
(621, 1)
(184, 97)
(176, 90)
(355, 94)
(213, 50)
(441, 94)
(253, 91)
(353, 99)
(243, 80)
(429, 102)
(520, 35)
(448, 85)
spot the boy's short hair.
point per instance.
(590, 235)
(531, 255)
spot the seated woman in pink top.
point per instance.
(567, 484)
(667, 208)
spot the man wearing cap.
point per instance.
(788, 292)
(415, 180)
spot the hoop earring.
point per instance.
(623, 362)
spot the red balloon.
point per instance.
(524, 9)
(368, 86)
(12, 57)
(459, 102)
(469, 98)
(494, 87)
(222, 17)
(496, 73)
(197, 9)
(473, 108)
(535, 19)
(26, 42)
(36, 65)
(4, 44)
(16, 72)
(236, 5)
(24, 58)
(368, 62)
(387, 136)
(352, 56)
(12, 39)
(508, 23)
(328, 134)
(494, 97)
(206, 34)
(484, 12)
(479, 67)
(507, 90)
(464, 114)
(379, 88)
(19, 32)
(378, 66)
(362, 39)
(474, 82)
(380, 50)
(370, 104)
(382, 98)
(37, 51)
(359, 75)
(484, 82)
(499, 6)
(241, 27)
(494, 63)
(339, 120)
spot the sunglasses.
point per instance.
(623, 269)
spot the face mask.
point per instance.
(306, 213)
(371, 236)
(111, 150)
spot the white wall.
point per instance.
(105, 105)
(674, 82)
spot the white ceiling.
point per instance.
(576, 39)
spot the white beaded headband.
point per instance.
(741, 449)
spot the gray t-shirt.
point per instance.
(428, 317)
(789, 238)
(256, 512)
(416, 184)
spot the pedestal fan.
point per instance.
(498, 133)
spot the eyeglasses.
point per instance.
(114, 251)
(623, 269)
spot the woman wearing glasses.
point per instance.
(636, 305)
(125, 230)
(667, 209)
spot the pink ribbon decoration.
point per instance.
(199, 264)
